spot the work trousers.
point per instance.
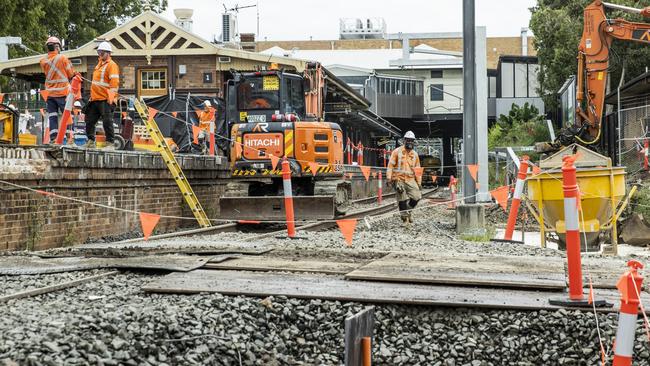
(97, 109)
(55, 105)
(408, 196)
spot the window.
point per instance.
(259, 92)
(392, 86)
(521, 80)
(436, 74)
(295, 97)
(533, 84)
(493, 87)
(507, 80)
(153, 82)
(437, 92)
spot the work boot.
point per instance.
(405, 222)
(90, 144)
(110, 146)
(410, 218)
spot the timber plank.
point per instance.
(316, 286)
(28, 265)
(285, 265)
(465, 270)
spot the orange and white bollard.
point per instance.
(366, 351)
(380, 189)
(212, 140)
(572, 233)
(360, 153)
(288, 198)
(629, 285)
(516, 198)
(75, 86)
(452, 187)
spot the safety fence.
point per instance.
(633, 138)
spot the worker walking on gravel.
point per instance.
(58, 72)
(401, 174)
(103, 91)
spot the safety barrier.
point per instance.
(516, 198)
(288, 198)
(629, 286)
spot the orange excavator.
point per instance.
(593, 61)
(279, 114)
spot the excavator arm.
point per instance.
(593, 61)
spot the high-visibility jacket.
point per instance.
(105, 77)
(205, 117)
(401, 164)
(58, 72)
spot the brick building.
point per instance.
(156, 57)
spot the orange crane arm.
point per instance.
(593, 60)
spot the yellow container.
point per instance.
(602, 188)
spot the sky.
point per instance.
(300, 19)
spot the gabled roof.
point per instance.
(148, 35)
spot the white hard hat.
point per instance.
(409, 135)
(77, 104)
(53, 39)
(105, 46)
(207, 103)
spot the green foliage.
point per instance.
(640, 202)
(557, 25)
(77, 22)
(523, 126)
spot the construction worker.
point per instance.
(402, 177)
(103, 91)
(205, 118)
(58, 72)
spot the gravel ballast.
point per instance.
(125, 326)
(110, 321)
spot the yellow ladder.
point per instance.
(172, 164)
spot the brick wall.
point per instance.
(34, 221)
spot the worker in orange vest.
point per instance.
(58, 72)
(401, 175)
(103, 91)
(206, 117)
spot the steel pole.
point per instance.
(469, 99)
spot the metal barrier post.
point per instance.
(516, 198)
(288, 198)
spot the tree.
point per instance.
(523, 126)
(76, 22)
(557, 25)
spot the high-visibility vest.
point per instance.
(205, 118)
(105, 77)
(401, 164)
(58, 71)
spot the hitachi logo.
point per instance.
(262, 142)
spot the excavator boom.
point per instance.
(593, 61)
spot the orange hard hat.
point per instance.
(53, 39)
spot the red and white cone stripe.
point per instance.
(516, 198)
(625, 333)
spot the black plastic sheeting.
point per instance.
(181, 132)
